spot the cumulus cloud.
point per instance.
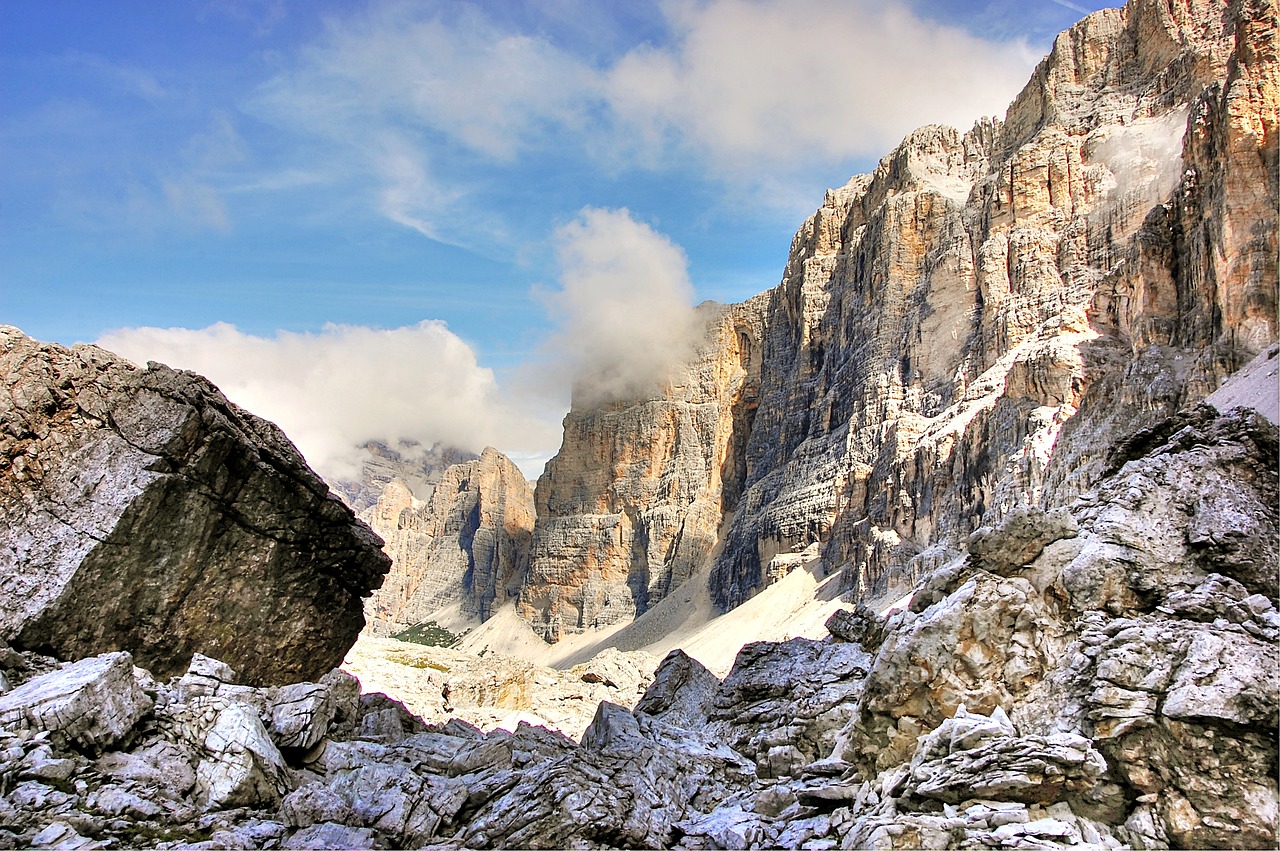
(624, 307)
(756, 85)
(747, 91)
(336, 389)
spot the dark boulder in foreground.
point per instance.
(142, 511)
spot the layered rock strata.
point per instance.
(956, 335)
(632, 505)
(142, 511)
(468, 543)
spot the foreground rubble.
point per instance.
(1101, 677)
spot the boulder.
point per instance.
(682, 693)
(142, 511)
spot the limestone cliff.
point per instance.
(956, 334)
(1099, 677)
(415, 466)
(467, 543)
(632, 505)
(142, 511)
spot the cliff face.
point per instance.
(633, 503)
(467, 543)
(1102, 677)
(142, 511)
(416, 467)
(956, 335)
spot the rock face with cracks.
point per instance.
(1102, 677)
(141, 511)
(468, 543)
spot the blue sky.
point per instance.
(452, 186)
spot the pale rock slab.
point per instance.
(94, 702)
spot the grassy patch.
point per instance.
(428, 633)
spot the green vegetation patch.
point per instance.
(428, 633)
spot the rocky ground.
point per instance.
(1103, 676)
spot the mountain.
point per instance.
(416, 467)
(466, 545)
(1024, 377)
(957, 336)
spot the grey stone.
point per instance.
(94, 702)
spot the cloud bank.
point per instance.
(750, 93)
(623, 311)
(761, 86)
(333, 390)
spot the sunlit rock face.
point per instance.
(467, 543)
(633, 503)
(141, 511)
(956, 335)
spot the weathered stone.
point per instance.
(606, 792)
(301, 714)
(331, 837)
(682, 693)
(971, 756)
(783, 705)
(314, 803)
(142, 511)
(239, 764)
(1022, 536)
(94, 703)
(860, 625)
(165, 766)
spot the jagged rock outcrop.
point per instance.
(142, 511)
(1112, 684)
(957, 335)
(960, 332)
(467, 543)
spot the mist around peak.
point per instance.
(624, 310)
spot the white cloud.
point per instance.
(197, 204)
(748, 92)
(334, 390)
(120, 78)
(761, 85)
(455, 74)
(624, 308)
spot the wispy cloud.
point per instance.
(748, 91)
(196, 203)
(1075, 7)
(120, 78)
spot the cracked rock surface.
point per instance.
(141, 511)
(1104, 689)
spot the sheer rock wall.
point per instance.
(468, 543)
(956, 335)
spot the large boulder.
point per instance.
(142, 511)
